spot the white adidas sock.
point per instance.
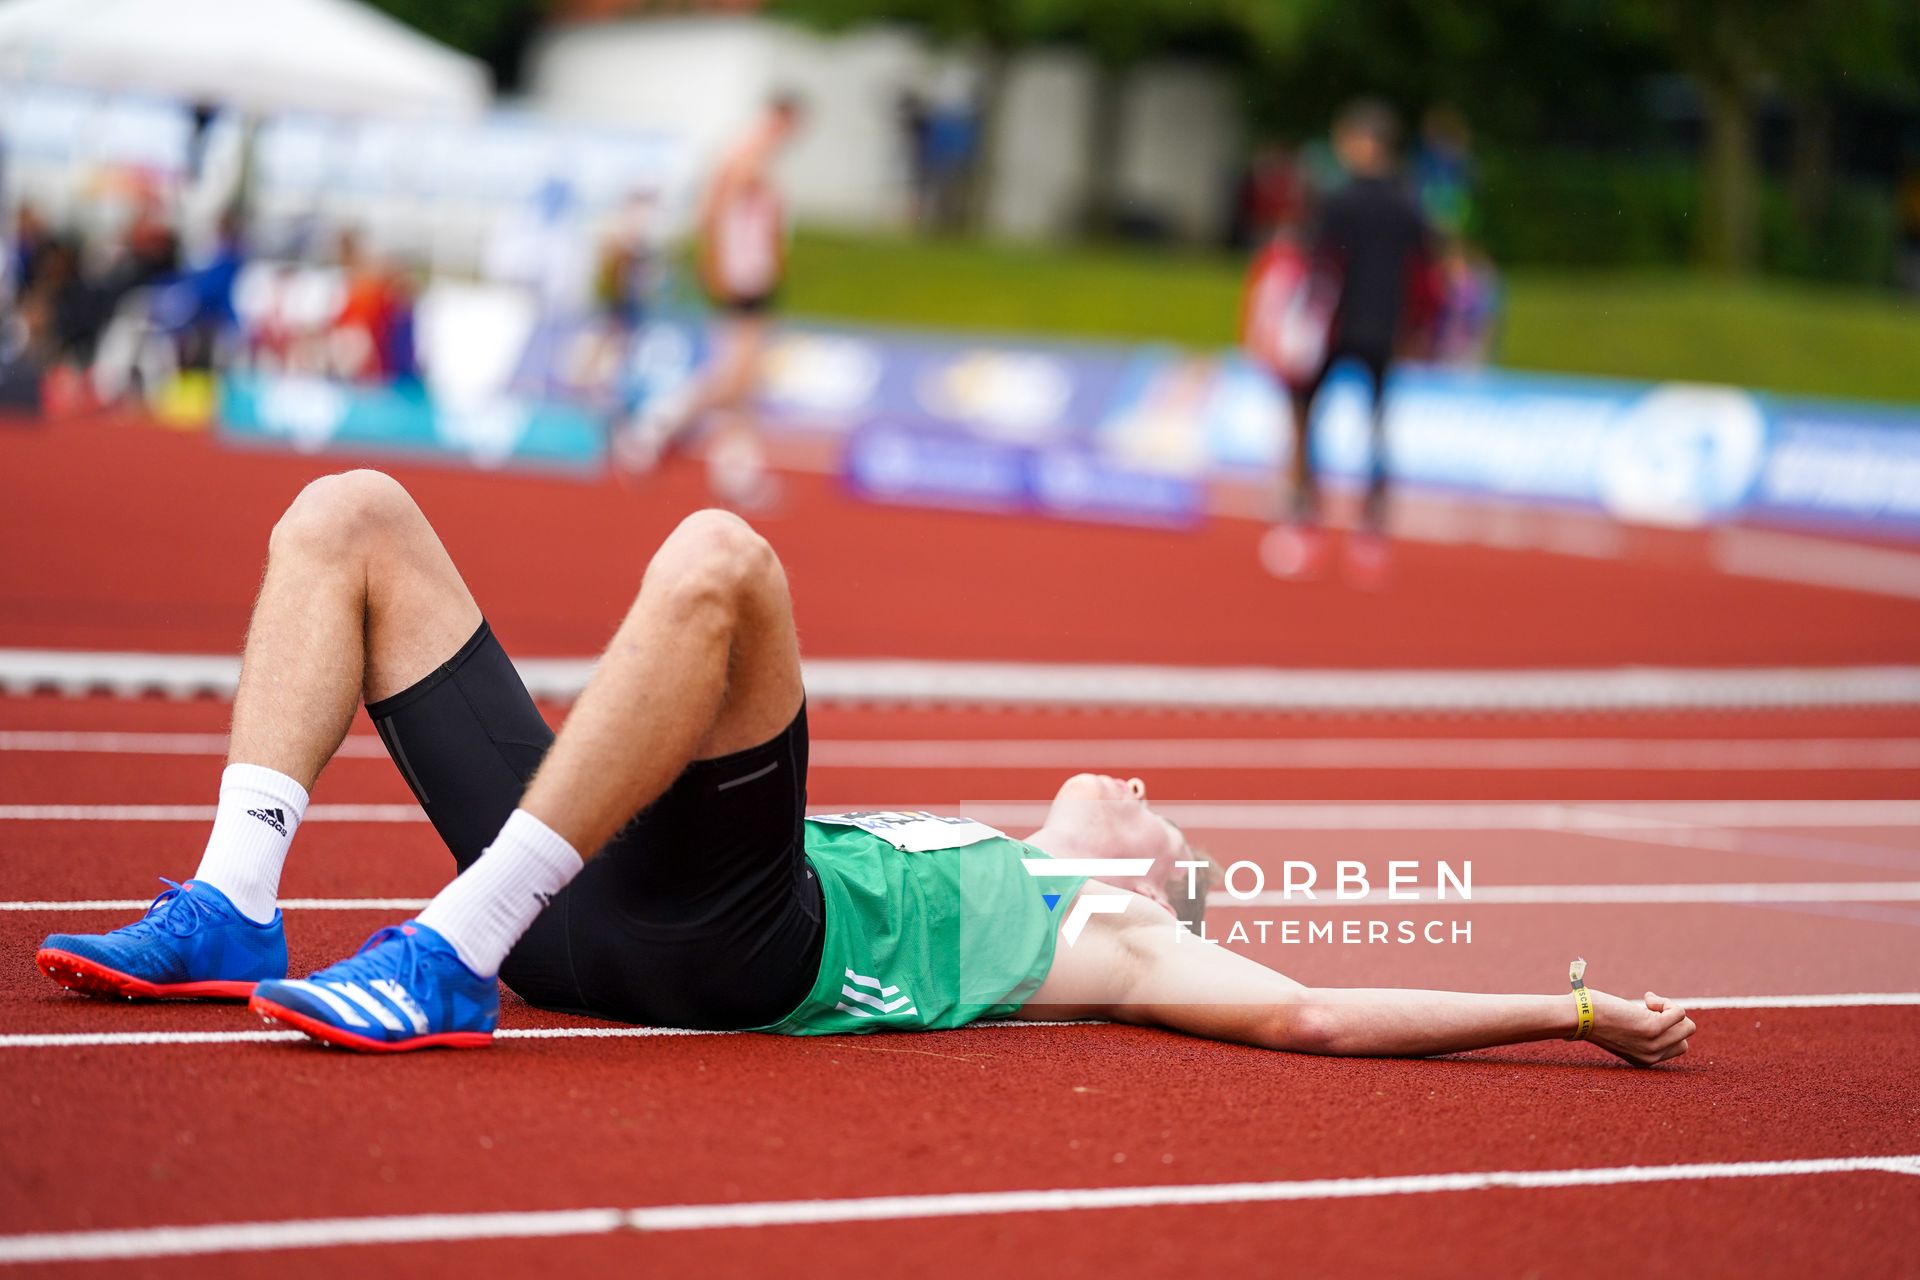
(490, 904)
(259, 811)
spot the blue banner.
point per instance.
(1135, 433)
(316, 415)
(898, 464)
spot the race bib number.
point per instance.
(914, 832)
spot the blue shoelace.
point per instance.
(177, 910)
(405, 962)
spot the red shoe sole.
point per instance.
(89, 977)
(331, 1034)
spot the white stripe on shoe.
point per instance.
(341, 1008)
(354, 993)
(396, 993)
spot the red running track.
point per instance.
(101, 1136)
(123, 537)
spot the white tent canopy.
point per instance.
(262, 56)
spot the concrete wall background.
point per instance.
(704, 77)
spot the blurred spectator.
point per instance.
(1907, 197)
(542, 248)
(628, 278)
(31, 238)
(916, 129)
(630, 267)
(941, 129)
(1272, 198)
(146, 252)
(360, 340)
(1369, 236)
(399, 357)
(64, 312)
(1443, 171)
(198, 306)
(1469, 306)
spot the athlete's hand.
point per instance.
(1643, 1034)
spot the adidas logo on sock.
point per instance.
(275, 818)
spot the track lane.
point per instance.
(139, 567)
(866, 1116)
(573, 1123)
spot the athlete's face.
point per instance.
(1111, 815)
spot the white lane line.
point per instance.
(311, 1233)
(1323, 896)
(1228, 815)
(198, 813)
(1820, 562)
(140, 1039)
(314, 1233)
(1837, 1000)
(1067, 684)
(1527, 895)
(357, 745)
(1525, 754)
(1520, 815)
(286, 904)
(147, 1039)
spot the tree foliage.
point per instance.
(495, 31)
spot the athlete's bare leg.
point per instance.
(729, 380)
(359, 601)
(707, 662)
(726, 397)
(1137, 967)
(1304, 492)
(736, 457)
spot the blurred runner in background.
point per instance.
(742, 260)
(1371, 240)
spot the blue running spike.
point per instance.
(192, 944)
(406, 988)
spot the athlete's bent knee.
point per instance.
(712, 556)
(337, 514)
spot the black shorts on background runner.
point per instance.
(702, 912)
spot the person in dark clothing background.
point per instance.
(1372, 244)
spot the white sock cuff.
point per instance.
(270, 783)
(259, 810)
(524, 831)
(490, 904)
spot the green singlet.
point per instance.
(931, 922)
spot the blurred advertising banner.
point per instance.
(1661, 454)
(1133, 433)
(315, 415)
(1109, 433)
(954, 422)
(449, 367)
(892, 464)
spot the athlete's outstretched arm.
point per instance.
(1138, 967)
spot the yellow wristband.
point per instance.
(1582, 998)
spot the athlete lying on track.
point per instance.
(709, 899)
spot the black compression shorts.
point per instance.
(702, 912)
(1374, 361)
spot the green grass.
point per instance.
(1775, 335)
